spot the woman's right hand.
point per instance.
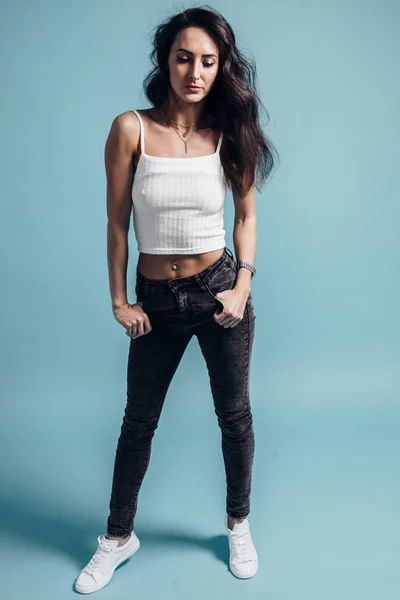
(133, 318)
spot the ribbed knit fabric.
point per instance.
(178, 203)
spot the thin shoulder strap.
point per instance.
(220, 141)
(141, 131)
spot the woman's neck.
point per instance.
(184, 115)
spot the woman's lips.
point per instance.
(191, 88)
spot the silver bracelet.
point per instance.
(246, 265)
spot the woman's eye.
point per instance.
(184, 60)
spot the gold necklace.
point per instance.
(184, 135)
(176, 123)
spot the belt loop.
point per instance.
(229, 251)
(199, 280)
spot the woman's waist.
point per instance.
(170, 266)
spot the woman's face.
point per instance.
(193, 58)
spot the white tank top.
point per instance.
(178, 203)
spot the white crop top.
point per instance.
(178, 203)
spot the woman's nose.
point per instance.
(195, 72)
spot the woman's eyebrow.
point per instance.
(188, 52)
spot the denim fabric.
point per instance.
(178, 309)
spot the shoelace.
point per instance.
(101, 553)
(240, 545)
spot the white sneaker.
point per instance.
(103, 563)
(243, 559)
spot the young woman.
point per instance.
(173, 164)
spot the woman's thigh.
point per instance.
(152, 362)
(227, 353)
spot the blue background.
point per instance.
(324, 384)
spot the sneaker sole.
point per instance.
(241, 575)
(132, 551)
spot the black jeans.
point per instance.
(178, 309)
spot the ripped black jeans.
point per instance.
(178, 309)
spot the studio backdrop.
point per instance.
(324, 379)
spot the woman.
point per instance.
(174, 163)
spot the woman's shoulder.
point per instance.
(126, 125)
(128, 119)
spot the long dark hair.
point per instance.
(247, 154)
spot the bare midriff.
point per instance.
(163, 266)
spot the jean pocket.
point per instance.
(221, 279)
(140, 290)
(250, 308)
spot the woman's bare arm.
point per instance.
(121, 146)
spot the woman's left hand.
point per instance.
(234, 302)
